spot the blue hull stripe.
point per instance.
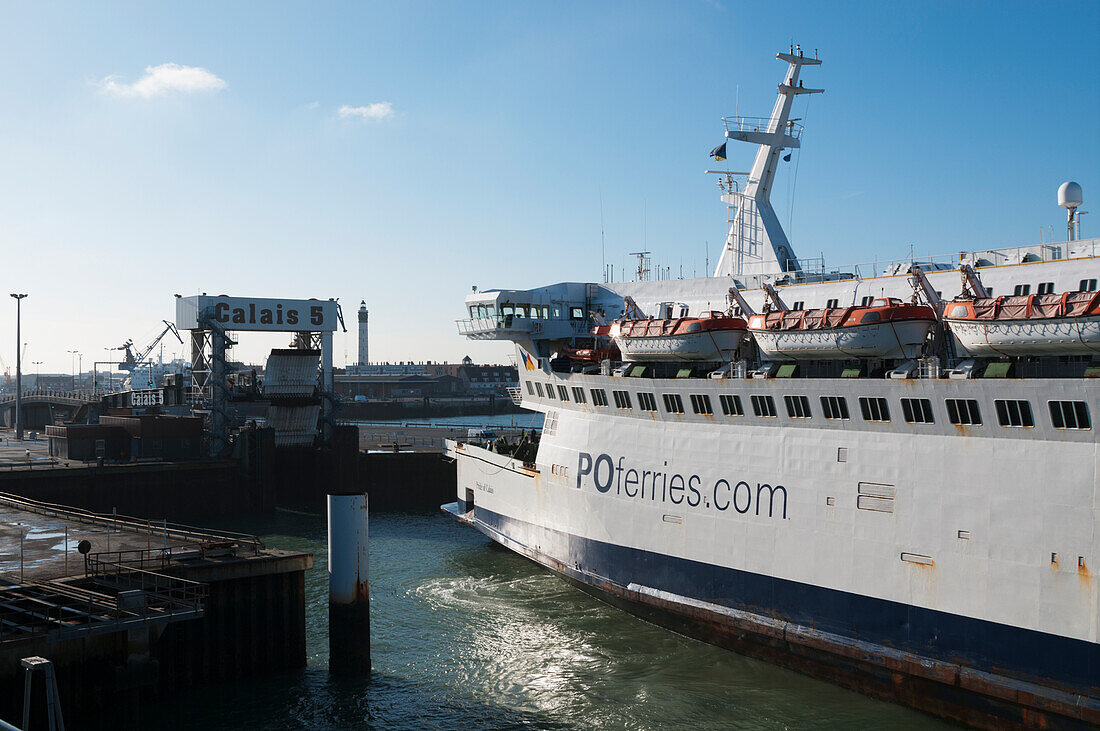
(1038, 657)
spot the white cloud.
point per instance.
(163, 79)
(376, 111)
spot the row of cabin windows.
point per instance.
(961, 412)
(1085, 285)
(535, 312)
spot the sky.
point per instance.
(401, 153)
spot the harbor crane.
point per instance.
(132, 360)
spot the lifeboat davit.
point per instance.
(887, 328)
(712, 337)
(1038, 324)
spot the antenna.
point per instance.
(603, 250)
(643, 264)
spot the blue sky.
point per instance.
(187, 147)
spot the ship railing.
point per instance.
(738, 123)
(510, 323)
(515, 394)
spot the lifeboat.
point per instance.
(1038, 324)
(887, 328)
(712, 337)
(602, 349)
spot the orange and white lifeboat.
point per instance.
(1038, 324)
(887, 328)
(712, 337)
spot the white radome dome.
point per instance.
(1069, 195)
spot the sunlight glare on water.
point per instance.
(468, 635)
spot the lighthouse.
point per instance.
(363, 360)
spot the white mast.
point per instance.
(756, 242)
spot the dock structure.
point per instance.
(123, 605)
(426, 438)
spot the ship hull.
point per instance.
(962, 588)
(1058, 336)
(901, 339)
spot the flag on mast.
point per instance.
(719, 153)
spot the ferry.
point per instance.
(904, 506)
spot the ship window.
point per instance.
(546, 312)
(917, 410)
(834, 407)
(550, 391)
(578, 395)
(870, 317)
(538, 387)
(576, 313)
(799, 305)
(1087, 285)
(830, 304)
(1014, 412)
(521, 310)
(1045, 288)
(798, 407)
(866, 301)
(731, 405)
(647, 401)
(874, 409)
(599, 397)
(622, 399)
(1070, 415)
(763, 405)
(737, 311)
(1021, 289)
(700, 404)
(958, 311)
(673, 403)
(963, 411)
(507, 310)
(530, 389)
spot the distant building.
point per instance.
(411, 380)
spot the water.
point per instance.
(523, 420)
(468, 635)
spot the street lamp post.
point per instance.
(72, 365)
(37, 374)
(18, 367)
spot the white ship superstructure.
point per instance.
(918, 522)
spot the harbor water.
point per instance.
(468, 635)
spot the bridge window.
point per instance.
(1046, 288)
(576, 313)
(673, 403)
(798, 407)
(963, 411)
(647, 401)
(622, 399)
(1070, 415)
(1014, 412)
(874, 409)
(700, 403)
(763, 406)
(599, 397)
(538, 387)
(530, 388)
(578, 394)
(550, 391)
(917, 410)
(1021, 289)
(834, 407)
(731, 405)
(1087, 285)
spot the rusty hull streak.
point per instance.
(937, 687)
